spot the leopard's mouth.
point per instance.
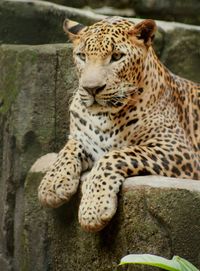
(107, 103)
(103, 103)
(114, 100)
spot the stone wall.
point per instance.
(35, 86)
(36, 83)
(169, 10)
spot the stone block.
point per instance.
(36, 83)
(156, 215)
(37, 22)
(178, 10)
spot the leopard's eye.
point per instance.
(116, 56)
(82, 56)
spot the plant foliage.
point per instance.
(175, 264)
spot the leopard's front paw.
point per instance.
(56, 189)
(97, 208)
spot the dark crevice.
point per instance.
(9, 219)
(55, 146)
(8, 223)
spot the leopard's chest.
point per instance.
(94, 132)
(101, 131)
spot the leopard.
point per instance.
(129, 116)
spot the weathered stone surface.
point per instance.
(172, 10)
(37, 22)
(35, 86)
(152, 218)
(178, 10)
(181, 53)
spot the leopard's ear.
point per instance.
(72, 29)
(145, 31)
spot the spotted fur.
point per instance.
(130, 116)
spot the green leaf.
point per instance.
(185, 265)
(152, 260)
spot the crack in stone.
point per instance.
(55, 99)
(10, 195)
(159, 221)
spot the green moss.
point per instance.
(12, 64)
(9, 71)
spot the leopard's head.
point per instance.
(109, 57)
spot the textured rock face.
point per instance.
(37, 22)
(182, 11)
(172, 10)
(156, 215)
(36, 83)
(35, 91)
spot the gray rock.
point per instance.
(169, 10)
(35, 90)
(156, 215)
(110, 11)
(5, 265)
(37, 22)
(181, 53)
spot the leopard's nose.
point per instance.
(94, 90)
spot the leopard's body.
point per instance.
(130, 116)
